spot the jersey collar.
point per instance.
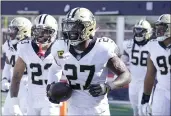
(36, 48)
(163, 45)
(86, 51)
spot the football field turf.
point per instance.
(115, 109)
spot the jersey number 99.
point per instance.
(163, 63)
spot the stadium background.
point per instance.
(114, 19)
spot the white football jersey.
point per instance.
(137, 59)
(88, 67)
(11, 54)
(161, 58)
(37, 69)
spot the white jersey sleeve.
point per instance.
(55, 73)
(127, 46)
(6, 73)
(58, 49)
(110, 46)
(4, 47)
(22, 45)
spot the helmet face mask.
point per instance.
(42, 35)
(139, 34)
(44, 30)
(73, 30)
(78, 26)
(19, 29)
(142, 31)
(13, 32)
(161, 29)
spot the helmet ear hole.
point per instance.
(91, 29)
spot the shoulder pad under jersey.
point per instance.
(58, 47)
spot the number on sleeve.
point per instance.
(104, 39)
(12, 60)
(25, 41)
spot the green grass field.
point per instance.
(115, 109)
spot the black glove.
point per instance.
(99, 89)
(48, 93)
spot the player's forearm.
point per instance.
(122, 80)
(149, 77)
(15, 84)
(148, 84)
(116, 65)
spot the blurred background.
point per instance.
(115, 19)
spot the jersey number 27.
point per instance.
(74, 77)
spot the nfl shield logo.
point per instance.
(78, 57)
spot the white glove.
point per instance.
(145, 110)
(15, 110)
(5, 85)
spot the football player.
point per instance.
(159, 66)
(135, 53)
(35, 55)
(19, 29)
(85, 61)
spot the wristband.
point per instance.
(145, 98)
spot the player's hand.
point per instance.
(5, 85)
(48, 93)
(145, 110)
(15, 110)
(98, 89)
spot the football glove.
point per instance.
(15, 110)
(5, 85)
(99, 89)
(145, 110)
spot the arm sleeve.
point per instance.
(55, 73)
(6, 74)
